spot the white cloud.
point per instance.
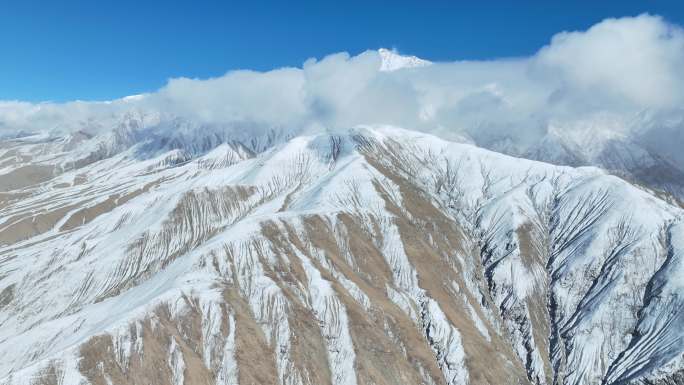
(637, 60)
(617, 68)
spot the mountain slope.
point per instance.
(375, 255)
(627, 155)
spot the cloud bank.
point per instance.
(615, 70)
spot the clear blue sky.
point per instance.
(95, 50)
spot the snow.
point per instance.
(112, 272)
(176, 363)
(334, 325)
(392, 61)
(446, 341)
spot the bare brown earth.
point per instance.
(26, 226)
(488, 362)
(25, 176)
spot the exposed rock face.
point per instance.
(380, 256)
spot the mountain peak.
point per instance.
(392, 60)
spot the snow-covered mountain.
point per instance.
(392, 61)
(623, 153)
(644, 148)
(168, 252)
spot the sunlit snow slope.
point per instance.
(373, 256)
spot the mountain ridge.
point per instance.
(375, 254)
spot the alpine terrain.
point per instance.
(372, 255)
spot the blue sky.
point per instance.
(97, 50)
